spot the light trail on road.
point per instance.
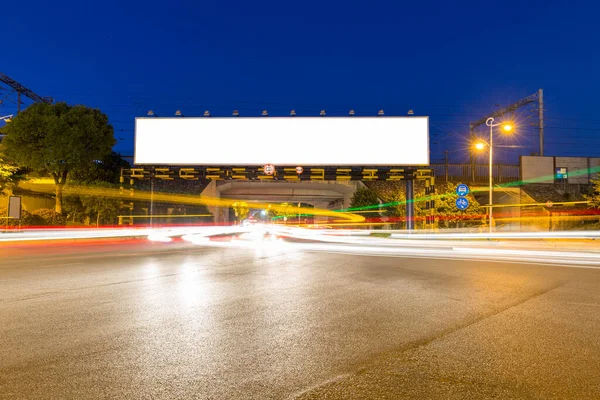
(293, 313)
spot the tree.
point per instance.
(58, 139)
(444, 212)
(594, 196)
(241, 210)
(364, 197)
(447, 212)
(103, 209)
(108, 169)
(8, 172)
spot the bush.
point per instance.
(48, 217)
(26, 219)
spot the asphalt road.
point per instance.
(132, 320)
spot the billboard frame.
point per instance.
(252, 165)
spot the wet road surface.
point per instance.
(130, 319)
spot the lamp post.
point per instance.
(506, 128)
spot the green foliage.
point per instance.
(445, 212)
(594, 196)
(105, 210)
(364, 197)
(26, 219)
(58, 139)
(241, 210)
(88, 209)
(48, 217)
(283, 210)
(107, 170)
(10, 174)
(40, 217)
(7, 173)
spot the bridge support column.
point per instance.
(220, 214)
(318, 219)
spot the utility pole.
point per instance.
(446, 152)
(410, 204)
(472, 151)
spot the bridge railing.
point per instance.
(502, 173)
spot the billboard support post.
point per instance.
(410, 205)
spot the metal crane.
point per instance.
(20, 89)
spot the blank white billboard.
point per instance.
(287, 141)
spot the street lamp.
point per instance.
(480, 146)
(6, 118)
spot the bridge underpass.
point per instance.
(320, 194)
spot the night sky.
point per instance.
(452, 60)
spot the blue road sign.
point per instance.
(462, 190)
(462, 203)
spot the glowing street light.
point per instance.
(507, 128)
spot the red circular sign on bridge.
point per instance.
(549, 203)
(299, 170)
(269, 169)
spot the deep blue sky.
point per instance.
(452, 60)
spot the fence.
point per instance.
(501, 173)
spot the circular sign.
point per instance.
(462, 203)
(462, 190)
(269, 169)
(549, 204)
(299, 170)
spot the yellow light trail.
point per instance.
(207, 201)
(166, 216)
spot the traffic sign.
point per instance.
(462, 190)
(462, 203)
(549, 204)
(269, 169)
(299, 170)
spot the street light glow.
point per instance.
(480, 146)
(507, 127)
